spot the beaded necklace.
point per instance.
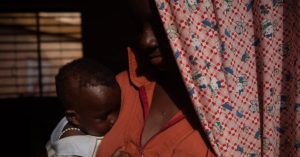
(68, 129)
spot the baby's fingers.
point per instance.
(121, 153)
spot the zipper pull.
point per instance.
(141, 151)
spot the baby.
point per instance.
(91, 98)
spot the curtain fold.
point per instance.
(240, 63)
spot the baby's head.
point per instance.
(90, 95)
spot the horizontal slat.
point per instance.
(45, 25)
(17, 56)
(48, 84)
(18, 59)
(10, 89)
(31, 38)
(8, 81)
(20, 76)
(13, 64)
(60, 29)
(56, 62)
(19, 72)
(12, 46)
(49, 80)
(18, 21)
(49, 94)
(63, 31)
(18, 38)
(19, 51)
(5, 68)
(25, 76)
(61, 38)
(69, 34)
(63, 45)
(44, 46)
(44, 67)
(18, 89)
(62, 54)
(51, 72)
(22, 84)
(35, 51)
(22, 81)
(49, 90)
(60, 14)
(17, 95)
(33, 56)
(18, 15)
(16, 30)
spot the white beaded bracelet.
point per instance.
(68, 129)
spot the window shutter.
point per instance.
(33, 46)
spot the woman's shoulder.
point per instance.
(122, 77)
(124, 81)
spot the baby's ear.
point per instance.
(72, 117)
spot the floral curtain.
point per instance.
(240, 60)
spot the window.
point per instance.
(33, 46)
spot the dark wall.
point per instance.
(106, 32)
(26, 125)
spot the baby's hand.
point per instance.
(121, 153)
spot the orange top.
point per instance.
(177, 138)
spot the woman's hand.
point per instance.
(120, 152)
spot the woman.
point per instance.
(156, 118)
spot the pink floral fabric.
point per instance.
(240, 63)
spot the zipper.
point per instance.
(141, 151)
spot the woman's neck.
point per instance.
(174, 86)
